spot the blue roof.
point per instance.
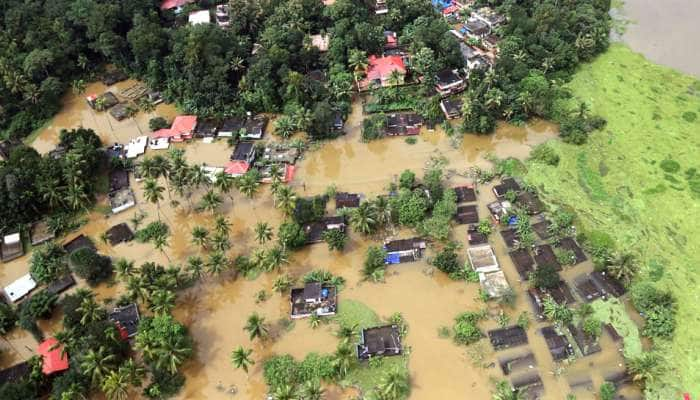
(441, 4)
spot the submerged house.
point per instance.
(379, 341)
(494, 284)
(126, 319)
(449, 82)
(347, 200)
(20, 288)
(452, 108)
(11, 247)
(403, 124)
(477, 28)
(53, 356)
(245, 152)
(506, 185)
(121, 200)
(483, 259)
(102, 102)
(206, 129)
(120, 233)
(248, 128)
(280, 154)
(499, 209)
(314, 230)
(41, 233)
(404, 250)
(313, 298)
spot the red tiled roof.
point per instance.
(289, 173)
(169, 4)
(236, 167)
(52, 359)
(184, 124)
(164, 133)
(449, 10)
(381, 67)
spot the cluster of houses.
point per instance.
(219, 14)
(563, 342)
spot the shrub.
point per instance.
(412, 206)
(407, 179)
(545, 154)
(544, 277)
(657, 307)
(279, 371)
(335, 238)
(446, 260)
(290, 235)
(373, 127)
(8, 318)
(465, 328)
(151, 231)
(411, 140)
(39, 306)
(592, 327)
(374, 264)
(48, 263)
(164, 385)
(559, 313)
(607, 391)
(316, 367)
(485, 227)
(157, 123)
(92, 267)
(309, 210)
(438, 225)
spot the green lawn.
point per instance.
(638, 180)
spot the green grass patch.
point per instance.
(354, 313)
(645, 194)
(613, 312)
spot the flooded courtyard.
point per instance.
(215, 309)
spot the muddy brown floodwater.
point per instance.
(666, 32)
(215, 310)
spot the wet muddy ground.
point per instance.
(215, 310)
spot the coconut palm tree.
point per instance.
(137, 289)
(623, 267)
(116, 385)
(505, 392)
(347, 334)
(256, 327)
(200, 236)
(284, 126)
(363, 219)
(274, 258)
(198, 177)
(96, 364)
(160, 242)
(195, 266)
(90, 311)
(225, 183)
(220, 242)
(263, 232)
(282, 283)
(210, 201)
(153, 193)
(125, 269)
(382, 210)
(284, 392)
(311, 390)
(240, 358)
(217, 263)
(342, 359)
(286, 200)
(357, 60)
(133, 371)
(394, 385)
(249, 183)
(645, 368)
(162, 301)
(395, 79)
(257, 258)
(222, 226)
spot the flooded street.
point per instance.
(665, 32)
(215, 310)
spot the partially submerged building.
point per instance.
(494, 284)
(452, 108)
(280, 154)
(504, 338)
(384, 72)
(404, 250)
(199, 17)
(468, 214)
(544, 255)
(61, 284)
(206, 128)
(570, 244)
(314, 230)
(313, 298)
(120, 233)
(483, 259)
(449, 82)
(113, 76)
(16, 290)
(403, 124)
(380, 341)
(506, 185)
(41, 233)
(347, 200)
(126, 318)
(121, 111)
(102, 102)
(54, 358)
(523, 261)
(136, 147)
(79, 242)
(559, 346)
(475, 237)
(11, 247)
(223, 18)
(248, 128)
(499, 209)
(244, 151)
(118, 179)
(465, 194)
(517, 363)
(121, 200)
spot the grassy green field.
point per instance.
(638, 180)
